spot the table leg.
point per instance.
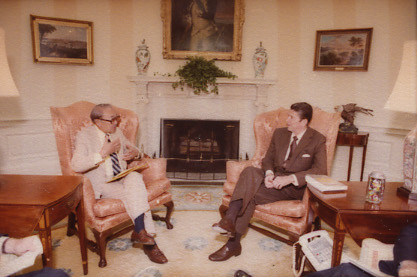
(81, 235)
(45, 236)
(363, 160)
(350, 161)
(338, 241)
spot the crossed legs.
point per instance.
(249, 192)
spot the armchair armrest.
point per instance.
(234, 168)
(155, 171)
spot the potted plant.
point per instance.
(199, 73)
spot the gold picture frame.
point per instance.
(62, 41)
(207, 28)
(343, 50)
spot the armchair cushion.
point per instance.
(291, 208)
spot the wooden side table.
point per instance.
(36, 202)
(350, 213)
(354, 140)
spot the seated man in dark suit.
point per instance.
(403, 265)
(293, 152)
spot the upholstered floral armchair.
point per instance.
(289, 217)
(107, 217)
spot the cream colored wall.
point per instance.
(286, 27)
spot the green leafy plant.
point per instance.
(199, 73)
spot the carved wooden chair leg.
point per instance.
(222, 210)
(101, 239)
(71, 229)
(167, 218)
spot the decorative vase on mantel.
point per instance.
(260, 60)
(143, 57)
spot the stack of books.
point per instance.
(325, 184)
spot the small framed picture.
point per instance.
(343, 50)
(62, 41)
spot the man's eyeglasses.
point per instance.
(113, 120)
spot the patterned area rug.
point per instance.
(197, 197)
(187, 246)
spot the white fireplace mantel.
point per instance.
(238, 99)
(259, 95)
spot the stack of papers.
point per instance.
(325, 184)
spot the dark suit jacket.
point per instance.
(309, 156)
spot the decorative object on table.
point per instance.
(202, 28)
(260, 60)
(143, 57)
(348, 114)
(376, 187)
(62, 41)
(199, 73)
(404, 99)
(343, 50)
(8, 87)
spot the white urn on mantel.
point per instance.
(143, 58)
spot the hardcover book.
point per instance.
(325, 184)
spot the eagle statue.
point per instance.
(348, 114)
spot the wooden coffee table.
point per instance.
(350, 213)
(36, 202)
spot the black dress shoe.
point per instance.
(225, 227)
(241, 273)
(225, 253)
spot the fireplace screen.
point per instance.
(199, 149)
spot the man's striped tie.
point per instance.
(114, 160)
(115, 164)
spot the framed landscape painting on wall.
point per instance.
(61, 41)
(208, 28)
(340, 50)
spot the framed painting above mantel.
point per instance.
(343, 50)
(208, 28)
(61, 41)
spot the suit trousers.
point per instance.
(251, 189)
(131, 190)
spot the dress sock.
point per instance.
(232, 243)
(139, 223)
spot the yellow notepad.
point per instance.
(127, 171)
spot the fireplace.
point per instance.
(238, 100)
(199, 149)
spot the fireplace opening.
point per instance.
(199, 149)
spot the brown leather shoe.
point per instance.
(142, 237)
(225, 253)
(225, 227)
(155, 254)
